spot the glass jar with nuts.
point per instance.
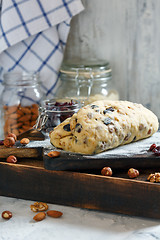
(20, 101)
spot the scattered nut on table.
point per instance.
(154, 177)
(6, 215)
(39, 216)
(11, 159)
(133, 173)
(24, 141)
(39, 206)
(9, 142)
(54, 213)
(106, 171)
(53, 154)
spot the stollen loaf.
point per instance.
(104, 125)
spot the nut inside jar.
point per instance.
(55, 111)
(19, 118)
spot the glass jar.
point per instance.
(20, 101)
(87, 82)
(54, 111)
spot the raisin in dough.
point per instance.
(103, 125)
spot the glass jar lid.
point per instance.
(17, 78)
(100, 70)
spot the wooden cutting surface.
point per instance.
(85, 187)
(88, 189)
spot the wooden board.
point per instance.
(73, 161)
(22, 152)
(117, 194)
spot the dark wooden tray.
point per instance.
(118, 194)
(71, 161)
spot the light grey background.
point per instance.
(127, 34)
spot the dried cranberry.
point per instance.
(1, 142)
(152, 147)
(64, 116)
(107, 121)
(158, 148)
(64, 103)
(57, 104)
(67, 127)
(154, 150)
(157, 153)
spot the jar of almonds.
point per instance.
(20, 101)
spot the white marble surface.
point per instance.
(75, 223)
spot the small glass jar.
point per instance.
(20, 101)
(87, 82)
(54, 111)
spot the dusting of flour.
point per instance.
(139, 147)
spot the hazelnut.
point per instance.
(11, 159)
(39, 216)
(24, 141)
(133, 173)
(106, 171)
(6, 215)
(53, 154)
(9, 142)
(12, 135)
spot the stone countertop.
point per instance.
(75, 223)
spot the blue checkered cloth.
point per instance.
(33, 35)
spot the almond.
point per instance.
(34, 117)
(54, 214)
(24, 118)
(26, 110)
(15, 131)
(11, 109)
(39, 216)
(17, 125)
(14, 116)
(53, 154)
(33, 123)
(26, 127)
